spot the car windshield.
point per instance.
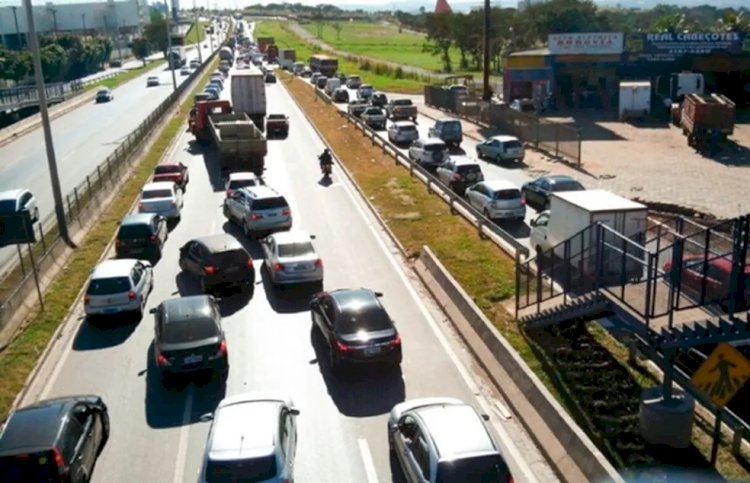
(506, 195)
(152, 194)
(167, 168)
(134, 231)
(468, 168)
(479, 469)
(431, 148)
(370, 318)
(107, 286)
(374, 112)
(407, 128)
(7, 206)
(276, 117)
(188, 331)
(296, 249)
(244, 471)
(512, 144)
(270, 203)
(566, 185)
(452, 126)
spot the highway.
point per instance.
(158, 435)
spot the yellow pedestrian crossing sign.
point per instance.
(722, 374)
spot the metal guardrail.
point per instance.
(81, 203)
(486, 227)
(27, 96)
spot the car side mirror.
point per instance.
(206, 417)
(533, 222)
(152, 310)
(294, 411)
(378, 294)
(312, 237)
(485, 416)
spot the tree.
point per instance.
(733, 21)
(54, 59)
(464, 35)
(320, 22)
(140, 48)
(338, 27)
(155, 32)
(439, 37)
(562, 16)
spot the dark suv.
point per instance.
(141, 235)
(219, 262)
(56, 440)
(458, 173)
(188, 337)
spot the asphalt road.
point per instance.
(157, 434)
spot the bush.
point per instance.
(365, 65)
(399, 74)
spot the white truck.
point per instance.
(286, 59)
(332, 85)
(571, 212)
(635, 99)
(249, 95)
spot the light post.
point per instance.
(51, 161)
(83, 22)
(486, 93)
(198, 26)
(54, 19)
(18, 31)
(169, 47)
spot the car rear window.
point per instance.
(247, 470)
(402, 102)
(296, 249)
(374, 112)
(134, 231)
(480, 469)
(103, 92)
(152, 194)
(567, 186)
(512, 144)
(270, 203)
(453, 126)
(506, 195)
(25, 468)
(431, 148)
(242, 183)
(167, 168)
(107, 286)
(369, 318)
(7, 206)
(407, 128)
(230, 257)
(188, 331)
(468, 168)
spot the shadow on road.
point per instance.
(230, 301)
(287, 299)
(166, 405)
(359, 391)
(104, 332)
(518, 229)
(250, 244)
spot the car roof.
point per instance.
(500, 184)
(291, 236)
(36, 426)
(447, 120)
(120, 267)
(557, 178)
(245, 428)
(463, 160)
(505, 138)
(456, 429)
(433, 141)
(12, 194)
(190, 308)
(241, 175)
(261, 192)
(220, 242)
(404, 124)
(354, 298)
(138, 219)
(158, 185)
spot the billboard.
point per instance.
(586, 43)
(667, 47)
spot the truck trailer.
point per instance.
(249, 95)
(707, 119)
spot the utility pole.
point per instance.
(83, 21)
(200, 31)
(54, 19)
(169, 47)
(486, 93)
(51, 161)
(18, 31)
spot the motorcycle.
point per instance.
(326, 170)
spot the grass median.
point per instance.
(125, 76)
(583, 366)
(196, 33)
(21, 355)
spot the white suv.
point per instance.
(402, 132)
(429, 153)
(118, 286)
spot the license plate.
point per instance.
(271, 214)
(371, 351)
(192, 359)
(232, 269)
(110, 311)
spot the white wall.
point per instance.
(70, 16)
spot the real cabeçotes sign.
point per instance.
(586, 43)
(670, 46)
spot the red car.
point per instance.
(717, 275)
(175, 172)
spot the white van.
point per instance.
(332, 85)
(298, 67)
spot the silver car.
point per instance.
(118, 286)
(253, 437)
(497, 200)
(258, 209)
(444, 440)
(290, 257)
(402, 132)
(163, 198)
(501, 148)
(241, 179)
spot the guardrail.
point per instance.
(486, 227)
(80, 204)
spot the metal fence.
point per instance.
(80, 205)
(557, 139)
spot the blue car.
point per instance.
(212, 92)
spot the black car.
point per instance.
(536, 193)
(141, 235)
(356, 327)
(270, 78)
(341, 94)
(188, 337)
(219, 262)
(378, 99)
(56, 440)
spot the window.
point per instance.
(168, 168)
(327, 306)
(270, 203)
(136, 274)
(229, 258)
(108, 286)
(154, 194)
(480, 469)
(134, 231)
(7, 206)
(506, 195)
(296, 249)
(369, 318)
(70, 438)
(247, 471)
(433, 147)
(421, 454)
(512, 144)
(468, 168)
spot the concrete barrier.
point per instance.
(568, 449)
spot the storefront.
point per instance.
(528, 75)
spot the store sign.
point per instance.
(586, 43)
(667, 47)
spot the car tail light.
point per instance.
(523, 200)
(249, 262)
(229, 192)
(222, 349)
(152, 238)
(162, 360)
(278, 266)
(456, 177)
(86, 299)
(286, 212)
(256, 216)
(173, 203)
(132, 295)
(209, 269)
(118, 243)
(396, 340)
(319, 263)
(341, 346)
(59, 461)
(140, 205)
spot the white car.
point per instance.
(152, 81)
(241, 179)
(497, 200)
(163, 198)
(118, 286)
(290, 257)
(501, 148)
(252, 437)
(402, 132)
(429, 153)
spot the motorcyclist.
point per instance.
(325, 158)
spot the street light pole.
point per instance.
(486, 93)
(169, 47)
(200, 31)
(83, 21)
(18, 31)
(51, 161)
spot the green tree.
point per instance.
(54, 59)
(337, 27)
(440, 37)
(155, 32)
(733, 21)
(466, 36)
(561, 16)
(140, 48)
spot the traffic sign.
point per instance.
(722, 374)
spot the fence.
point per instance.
(562, 141)
(80, 205)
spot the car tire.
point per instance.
(36, 214)
(391, 447)
(138, 314)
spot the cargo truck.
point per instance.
(707, 119)
(571, 212)
(263, 43)
(249, 95)
(226, 53)
(287, 58)
(272, 54)
(240, 144)
(635, 99)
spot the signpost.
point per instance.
(720, 377)
(668, 47)
(586, 43)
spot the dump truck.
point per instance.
(240, 144)
(249, 95)
(226, 53)
(272, 53)
(264, 42)
(707, 120)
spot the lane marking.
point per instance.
(364, 450)
(182, 444)
(518, 463)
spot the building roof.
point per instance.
(538, 52)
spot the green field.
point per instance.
(388, 82)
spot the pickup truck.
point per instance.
(401, 109)
(277, 124)
(374, 117)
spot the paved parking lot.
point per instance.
(652, 162)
